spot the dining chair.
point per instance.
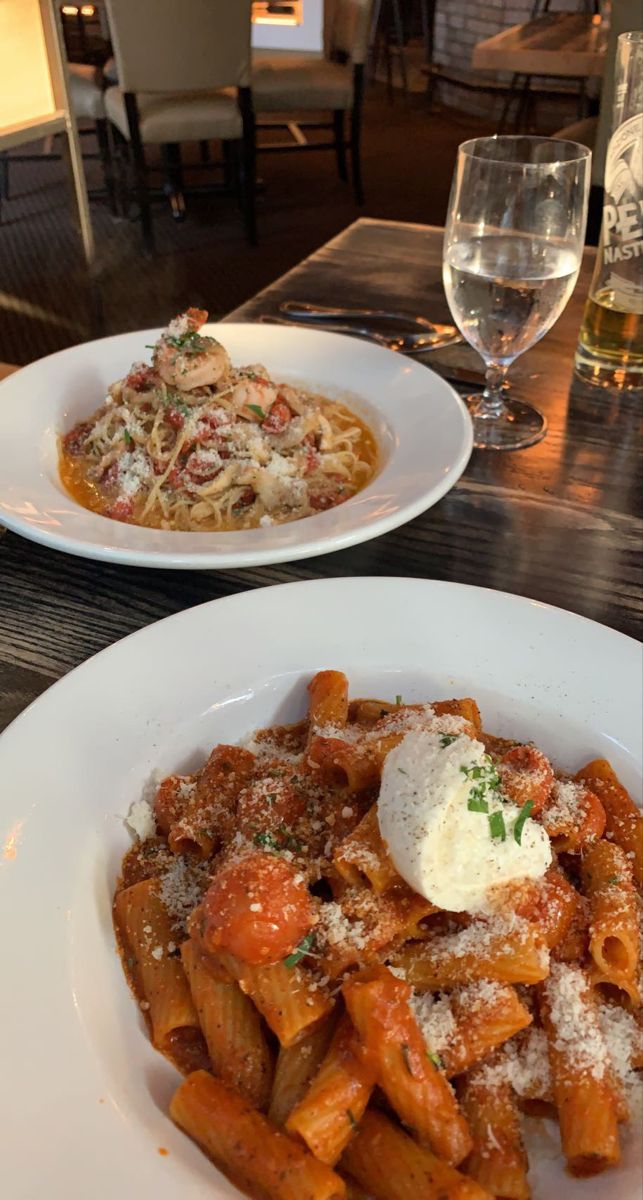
(302, 83)
(183, 69)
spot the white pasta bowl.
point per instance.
(421, 425)
(80, 1080)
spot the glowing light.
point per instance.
(88, 10)
(10, 847)
(70, 10)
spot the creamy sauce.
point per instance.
(442, 818)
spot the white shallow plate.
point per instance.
(83, 1097)
(422, 427)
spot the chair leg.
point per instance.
(204, 151)
(374, 39)
(4, 175)
(401, 49)
(121, 162)
(230, 168)
(248, 164)
(171, 152)
(356, 133)
(105, 152)
(138, 154)
(512, 92)
(340, 144)
(524, 107)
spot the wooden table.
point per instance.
(555, 522)
(557, 44)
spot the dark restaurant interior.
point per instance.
(419, 98)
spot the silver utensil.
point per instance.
(411, 342)
(452, 374)
(320, 312)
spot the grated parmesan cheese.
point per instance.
(140, 820)
(435, 1017)
(577, 1032)
(181, 888)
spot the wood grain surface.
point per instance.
(560, 44)
(559, 522)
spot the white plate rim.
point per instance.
(333, 530)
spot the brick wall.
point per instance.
(459, 24)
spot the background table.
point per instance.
(558, 44)
(555, 522)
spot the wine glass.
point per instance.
(512, 252)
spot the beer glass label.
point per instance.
(623, 210)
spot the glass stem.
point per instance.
(491, 404)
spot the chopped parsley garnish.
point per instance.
(271, 797)
(524, 813)
(447, 738)
(435, 1059)
(398, 700)
(612, 879)
(497, 826)
(402, 771)
(301, 951)
(128, 437)
(407, 1058)
(265, 840)
(192, 341)
(351, 1118)
(257, 410)
(486, 786)
(173, 399)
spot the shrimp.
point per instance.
(185, 359)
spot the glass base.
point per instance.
(517, 426)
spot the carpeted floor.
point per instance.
(45, 304)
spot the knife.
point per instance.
(319, 312)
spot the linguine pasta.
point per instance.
(192, 443)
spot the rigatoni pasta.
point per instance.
(341, 1032)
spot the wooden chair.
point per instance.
(301, 83)
(183, 69)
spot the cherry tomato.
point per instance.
(258, 908)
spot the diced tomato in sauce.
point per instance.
(325, 500)
(175, 418)
(246, 498)
(279, 415)
(270, 804)
(201, 471)
(74, 441)
(141, 379)
(526, 774)
(121, 510)
(109, 478)
(258, 908)
(196, 318)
